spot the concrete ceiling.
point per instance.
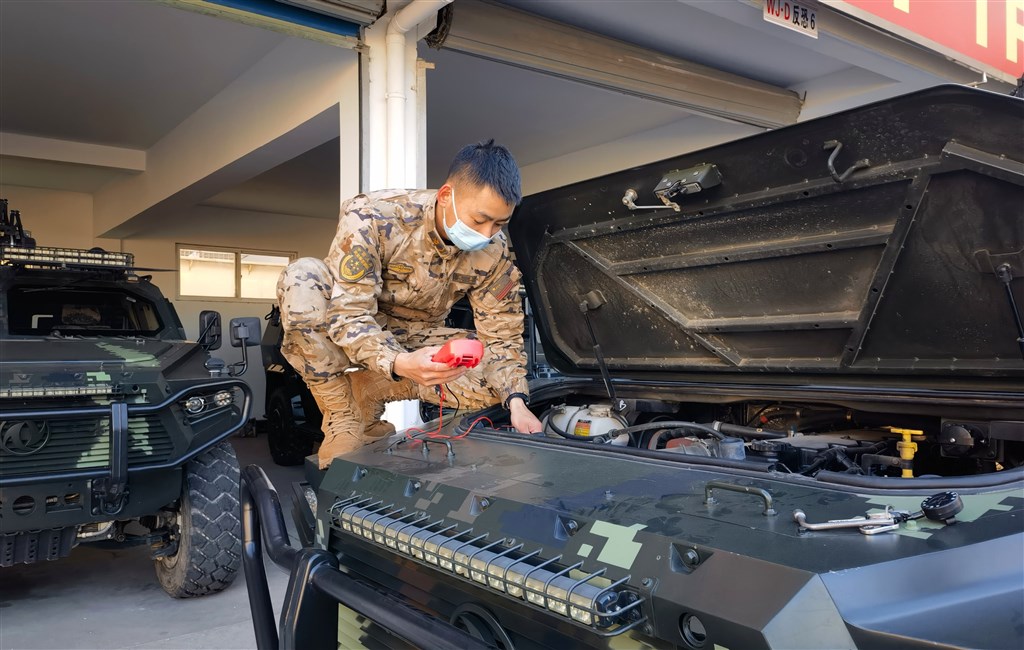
(126, 73)
(305, 186)
(537, 116)
(115, 73)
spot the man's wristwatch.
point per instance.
(522, 396)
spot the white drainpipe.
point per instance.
(402, 22)
(402, 151)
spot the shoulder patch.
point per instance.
(500, 289)
(356, 264)
(400, 268)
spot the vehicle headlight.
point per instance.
(310, 495)
(223, 398)
(194, 405)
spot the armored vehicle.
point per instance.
(114, 426)
(791, 414)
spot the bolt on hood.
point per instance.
(784, 268)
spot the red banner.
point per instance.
(985, 34)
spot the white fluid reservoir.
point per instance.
(585, 421)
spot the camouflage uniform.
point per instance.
(386, 286)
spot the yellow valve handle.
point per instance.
(907, 447)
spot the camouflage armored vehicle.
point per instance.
(791, 415)
(114, 426)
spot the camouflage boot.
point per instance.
(352, 405)
(341, 425)
(371, 391)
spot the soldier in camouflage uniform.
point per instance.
(361, 326)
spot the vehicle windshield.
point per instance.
(79, 311)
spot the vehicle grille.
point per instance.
(84, 443)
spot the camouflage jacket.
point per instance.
(394, 274)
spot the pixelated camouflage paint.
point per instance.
(129, 355)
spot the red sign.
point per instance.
(987, 35)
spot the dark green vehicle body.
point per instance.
(753, 581)
(842, 297)
(95, 370)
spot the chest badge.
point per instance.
(400, 268)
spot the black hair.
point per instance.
(490, 165)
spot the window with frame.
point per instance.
(229, 273)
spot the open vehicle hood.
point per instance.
(784, 268)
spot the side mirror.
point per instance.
(209, 329)
(245, 331)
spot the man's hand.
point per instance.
(418, 367)
(523, 418)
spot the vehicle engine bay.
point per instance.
(788, 437)
(633, 500)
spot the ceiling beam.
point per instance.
(518, 38)
(297, 97)
(67, 151)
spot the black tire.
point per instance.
(209, 527)
(289, 445)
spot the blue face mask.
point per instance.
(462, 235)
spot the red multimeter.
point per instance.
(460, 352)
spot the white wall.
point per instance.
(212, 226)
(55, 218)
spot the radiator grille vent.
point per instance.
(82, 443)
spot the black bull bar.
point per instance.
(119, 412)
(316, 586)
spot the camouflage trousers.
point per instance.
(352, 399)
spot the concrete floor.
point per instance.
(105, 598)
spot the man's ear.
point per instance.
(444, 195)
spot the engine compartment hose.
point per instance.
(740, 431)
(670, 424)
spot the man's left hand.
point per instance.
(523, 418)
